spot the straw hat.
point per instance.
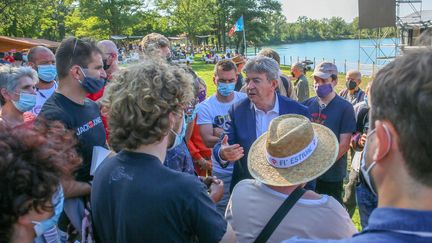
(293, 151)
(238, 59)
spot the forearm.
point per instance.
(73, 188)
(210, 141)
(343, 148)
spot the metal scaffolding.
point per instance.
(378, 49)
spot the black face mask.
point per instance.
(105, 65)
(351, 84)
(292, 74)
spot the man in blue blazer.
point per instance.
(251, 117)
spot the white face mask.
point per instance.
(366, 172)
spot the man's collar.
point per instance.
(275, 106)
(398, 219)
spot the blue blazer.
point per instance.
(242, 130)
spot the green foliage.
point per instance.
(264, 21)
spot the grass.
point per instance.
(205, 71)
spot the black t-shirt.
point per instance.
(136, 199)
(85, 120)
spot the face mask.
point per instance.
(365, 171)
(90, 84)
(26, 102)
(366, 100)
(323, 90)
(226, 89)
(47, 73)
(105, 65)
(192, 114)
(57, 201)
(25, 58)
(202, 95)
(179, 137)
(292, 74)
(351, 84)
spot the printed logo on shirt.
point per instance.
(319, 118)
(223, 122)
(89, 125)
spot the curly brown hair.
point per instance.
(32, 160)
(140, 99)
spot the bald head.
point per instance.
(35, 53)
(354, 74)
(107, 47)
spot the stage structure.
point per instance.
(384, 16)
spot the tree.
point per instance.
(190, 17)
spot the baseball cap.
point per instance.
(324, 70)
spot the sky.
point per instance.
(347, 9)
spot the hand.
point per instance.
(362, 140)
(230, 152)
(209, 180)
(204, 164)
(217, 132)
(216, 190)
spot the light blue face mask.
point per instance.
(225, 89)
(190, 117)
(26, 102)
(366, 100)
(179, 137)
(47, 73)
(57, 201)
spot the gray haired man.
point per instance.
(251, 117)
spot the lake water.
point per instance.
(346, 54)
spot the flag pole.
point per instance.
(244, 37)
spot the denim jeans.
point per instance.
(366, 201)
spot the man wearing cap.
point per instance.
(301, 85)
(353, 93)
(292, 152)
(42, 60)
(397, 163)
(334, 112)
(251, 117)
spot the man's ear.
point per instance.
(5, 94)
(75, 72)
(274, 83)
(383, 140)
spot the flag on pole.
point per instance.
(238, 26)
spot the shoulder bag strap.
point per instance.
(280, 215)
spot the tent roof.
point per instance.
(424, 18)
(19, 44)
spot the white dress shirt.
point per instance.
(263, 119)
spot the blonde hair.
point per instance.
(154, 41)
(140, 99)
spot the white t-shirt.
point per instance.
(214, 112)
(42, 95)
(252, 204)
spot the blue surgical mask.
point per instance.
(190, 117)
(366, 100)
(90, 84)
(47, 73)
(25, 58)
(57, 201)
(26, 102)
(225, 89)
(179, 137)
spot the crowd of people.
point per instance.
(91, 152)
